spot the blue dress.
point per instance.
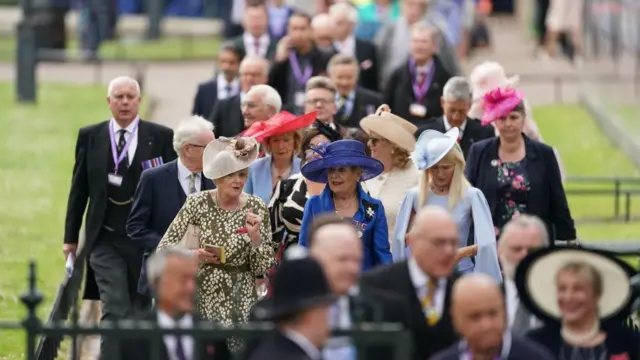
(259, 182)
(370, 220)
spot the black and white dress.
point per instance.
(286, 209)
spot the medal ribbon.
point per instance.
(301, 77)
(420, 89)
(117, 158)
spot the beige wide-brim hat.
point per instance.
(488, 76)
(391, 127)
(536, 281)
(224, 156)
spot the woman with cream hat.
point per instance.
(391, 140)
(443, 183)
(235, 236)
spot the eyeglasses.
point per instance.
(198, 146)
(322, 102)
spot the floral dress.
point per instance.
(226, 292)
(513, 191)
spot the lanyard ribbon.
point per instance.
(117, 158)
(301, 77)
(420, 88)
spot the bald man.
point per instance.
(425, 280)
(479, 316)
(335, 244)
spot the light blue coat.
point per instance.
(259, 181)
(486, 260)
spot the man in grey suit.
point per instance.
(521, 235)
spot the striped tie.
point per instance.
(192, 183)
(428, 305)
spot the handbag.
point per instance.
(191, 238)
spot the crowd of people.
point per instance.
(324, 180)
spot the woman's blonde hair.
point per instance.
(297, 143)
(586, 271)
(399, 157)
(459, 184)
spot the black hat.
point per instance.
(536, 275)
(297, 285)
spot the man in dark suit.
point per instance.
(425, 280)
(296, 61)
(478, 313)
(345, 18)
(353, 102)
(320, 96)
(172, 275)
(110, 156)
(227, 116)
(224, 85)
(163, 190)
(299, 306)
(256, 40)
(414, 90)
(456, 101)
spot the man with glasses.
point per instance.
(227, 115)
(156, 202)
(521, 236)
(320, 94)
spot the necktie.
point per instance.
(521, 321)
(180, 355)
(432, 315)
(192, 183)
(121, 142)
(256, 46)
(342, 108)
(422, 76)
(228, 90)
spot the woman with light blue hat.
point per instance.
(443, 183)
(342, 165)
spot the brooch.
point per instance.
(370, 212)
(496, 162)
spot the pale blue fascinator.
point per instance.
(432, 146)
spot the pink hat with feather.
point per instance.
(499, 103)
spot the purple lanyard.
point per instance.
(301, 78)
(419, 90)
(117, 159)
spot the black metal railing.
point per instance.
(622, 189)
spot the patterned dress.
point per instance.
(513, 191)
(226, 292)
(286, 209)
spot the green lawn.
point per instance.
(585, 152)
(629, 116)
(37, 143)
(165, 49)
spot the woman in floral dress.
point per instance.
(235, 236)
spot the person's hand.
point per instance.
(460, 254)
(253, 223)
(282, 49)
(205, 256)
(70, 249)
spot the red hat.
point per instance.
(280, 123)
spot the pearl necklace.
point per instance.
(577, 339)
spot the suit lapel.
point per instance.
(143, 151)
(206, 184)
(490, 176)
(439, 125)
(173, 174)
(468, 135)
(100, 152)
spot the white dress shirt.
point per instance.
(131, 151)
(223, 92)
(304, 343)
(420, 282)
(184, 176)
(250, 46)
(340, 348)
(347, 47)
(448, 126)
(188, 344)
(513, 301)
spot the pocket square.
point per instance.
(152, 163)
(370, 109)
(366, 64)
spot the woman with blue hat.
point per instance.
(342, 165)
(440, 159)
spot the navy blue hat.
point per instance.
(297, 285)
(341, 153)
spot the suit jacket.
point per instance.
(365, 103)
(141, 348)
(206, 98)
(521, 349)
(227, 117)
(89, 182)
(367, 56)
(428, 340)
(279, 74)
(546, 199)
(399, 94)
(238, 41)
(158, 198)
(278, 346)
(473, 131)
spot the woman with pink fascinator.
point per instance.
(517, 174)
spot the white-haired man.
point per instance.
(227, 116)
(521, 236)
(172, 275)
(110, 157)
(455, 101)
(260, 104)
(163, 190)
(345, 19)
(323, 28)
